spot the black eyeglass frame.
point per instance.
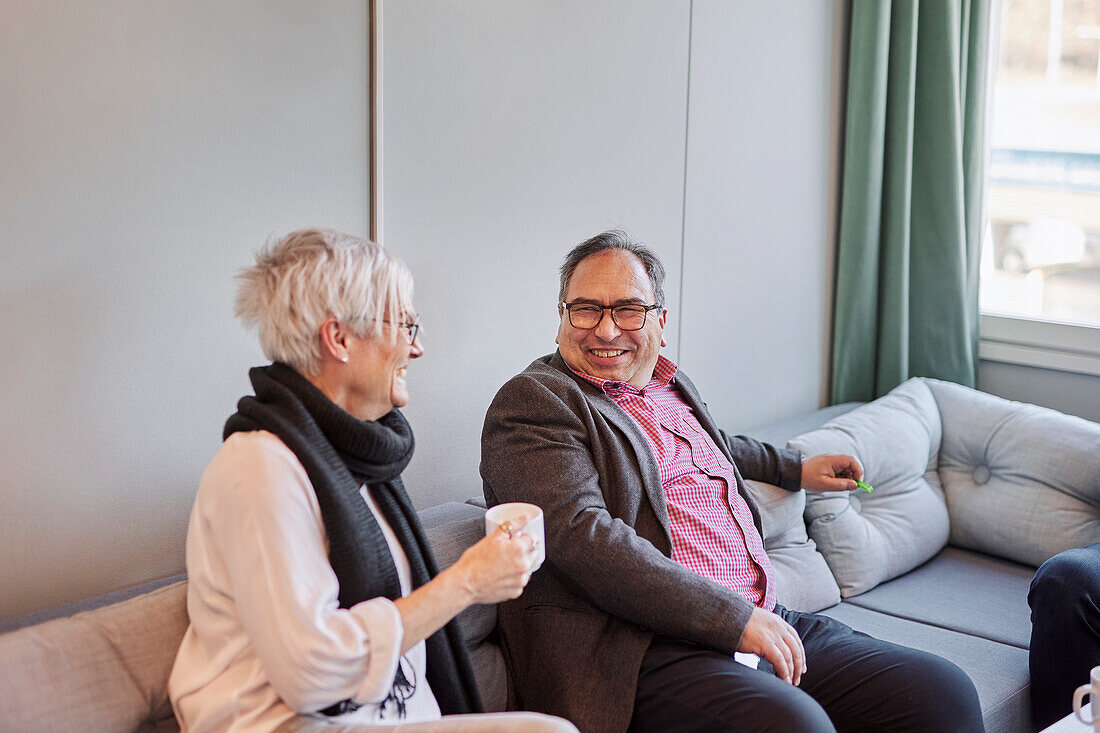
(645, 313)
(413, 327)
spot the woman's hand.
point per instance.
(498, 566)
(495, 569)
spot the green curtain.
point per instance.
(910, 214)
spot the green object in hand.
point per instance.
(864, 485)
(859, 484)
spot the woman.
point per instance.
(313, 597)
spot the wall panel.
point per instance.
(148, 148)
(758, 222)
(513, 131)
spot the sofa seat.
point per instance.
(968, 608)
(999, 671)
(972, 493)
(962, 591)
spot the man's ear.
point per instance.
(334, 339)
(661, 321)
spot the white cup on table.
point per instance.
(512, 511)
(1093, 691)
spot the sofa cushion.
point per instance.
(451, 529)
(87, 604)
(802, 579)
(956, 590)
(1021, 481)
(869, 538)
(999, 671)
(492, 676)
(109, 666)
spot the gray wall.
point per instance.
(1069, 392)
(759, 214)
(149, 147)
(515, 130)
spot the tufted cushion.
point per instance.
(802, 579)
(869, 538)
(1021, 481)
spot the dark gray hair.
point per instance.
(615, 239)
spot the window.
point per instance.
(1040, 266)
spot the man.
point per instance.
(656, 575)
(1065, 630)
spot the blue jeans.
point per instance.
(1065, 630)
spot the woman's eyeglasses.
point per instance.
(412, 328)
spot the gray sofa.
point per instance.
(938, 558)
(972, 493)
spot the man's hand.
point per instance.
(820, 473)
(769, 636)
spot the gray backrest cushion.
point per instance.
(451, 528)
(1022, 482)
(802, 579)
(105, 669)
(869, 538)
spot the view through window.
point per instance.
(1041, 251)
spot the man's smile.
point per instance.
(608, 280)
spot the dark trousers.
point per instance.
(1065, 630)
(853, 682)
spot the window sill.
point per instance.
(1047, 344)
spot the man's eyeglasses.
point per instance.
(626, 317)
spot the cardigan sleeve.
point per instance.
(257, 506)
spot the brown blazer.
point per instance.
(574, 640)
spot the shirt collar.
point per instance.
(663, 372)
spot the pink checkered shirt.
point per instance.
(712, 529)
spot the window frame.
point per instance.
(1028, 340)
(1035, 342)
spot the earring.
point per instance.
(344, 358)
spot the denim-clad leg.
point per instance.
(853, 683)
(1065, 630)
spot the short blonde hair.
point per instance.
(314, 274)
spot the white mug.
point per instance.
(502, 513)
(1093, 691)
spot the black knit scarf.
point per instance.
(339, 454)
